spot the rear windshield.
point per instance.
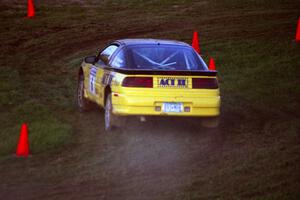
(163, 57)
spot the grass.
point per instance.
(255, 53)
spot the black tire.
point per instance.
(83, 104)
(111, 121)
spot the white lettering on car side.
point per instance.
(93, 73)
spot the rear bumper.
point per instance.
(200, 106)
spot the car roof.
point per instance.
(126, 42)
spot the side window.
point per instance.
(106, 54)
(119, 60)
(109, 51)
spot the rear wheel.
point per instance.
(108, 114)
(83, 104)
(111, 120)
(210, 122)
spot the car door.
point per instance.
(98, 72)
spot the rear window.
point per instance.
(164, 57)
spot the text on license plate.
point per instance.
(172, 107)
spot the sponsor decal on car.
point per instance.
(107, 78)
(172, 82)
(93, 76)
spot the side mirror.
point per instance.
(90, 59)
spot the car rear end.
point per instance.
(165, 80)
(177, 95)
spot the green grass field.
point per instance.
(252, 42)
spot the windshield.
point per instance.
(164, 57)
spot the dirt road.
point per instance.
(164, 158)
(151, 160)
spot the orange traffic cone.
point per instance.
(298, 31)
(23, 144)
(195, 43)
(30, 9)
(212, 65)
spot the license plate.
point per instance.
(172, 107)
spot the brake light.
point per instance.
(205, 83)
(138, 82)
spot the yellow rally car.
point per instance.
(145, 77)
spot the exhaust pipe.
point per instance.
(142, 119)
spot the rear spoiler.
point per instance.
(163, 72)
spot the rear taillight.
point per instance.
(205, 83)
(138, 82)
